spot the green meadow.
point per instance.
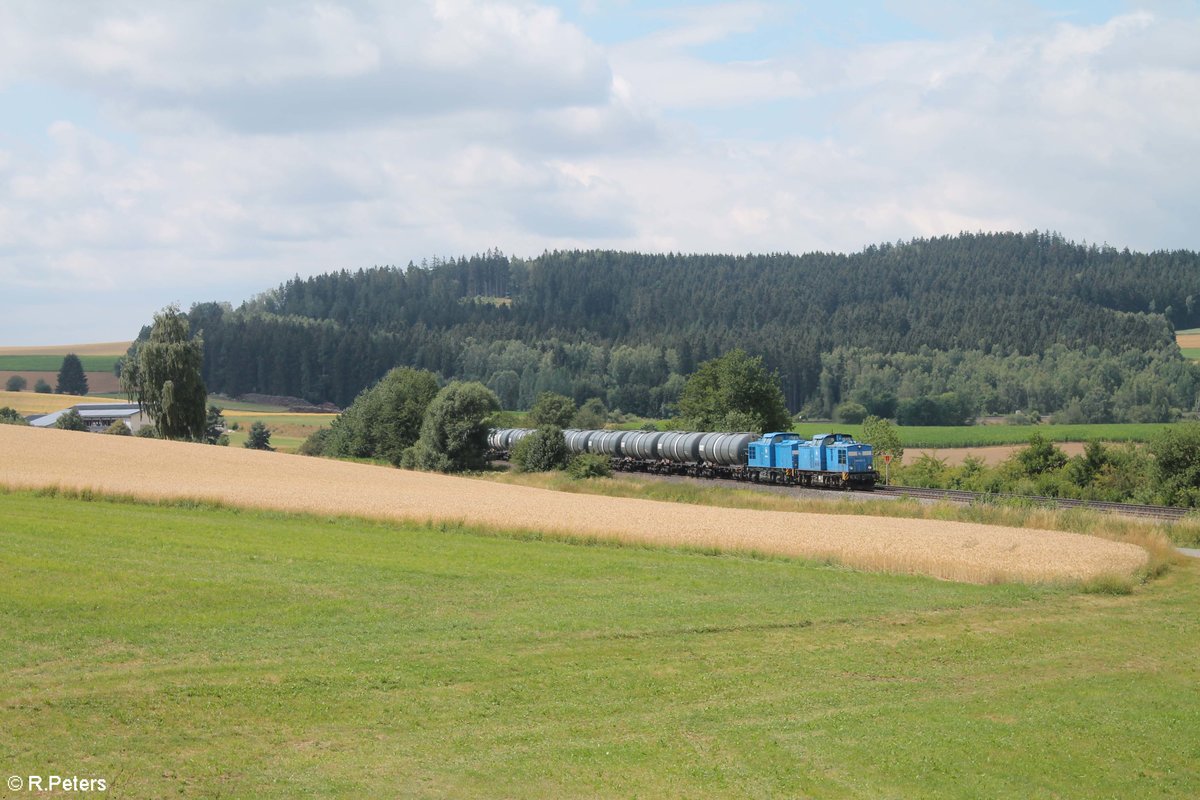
(203, 652)
(45, 363)
(986, 435)
(288, 431)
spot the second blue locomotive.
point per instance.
(833, 460)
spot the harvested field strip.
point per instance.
(154, 470)
(60, 350)
(1188, 339)
(98, 382)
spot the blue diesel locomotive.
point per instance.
(831, 460)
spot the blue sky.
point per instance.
(179, 152)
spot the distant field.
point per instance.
(92, 349)
(53, 363)
(238, 405)
(220, 402)
(1189, 343)
(288, 430)
(99, 383)
(216, 653)
(986, 435)
(30, 402)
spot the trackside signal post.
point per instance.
(887, 463)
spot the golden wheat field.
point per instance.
(91, 349)
(152, 469)
(33, 403)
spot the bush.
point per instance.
(315, 444)
(147, 432)
(16, 383)
(592, 415)
(541, 451)
(10, 416)
(589, 465)
(850, 413)
(71, 421)
(41, 387)
(118, 428)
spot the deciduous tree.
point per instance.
(734, 391)
(552, 409)
(162, 374)
(454, 432)
(882, 436)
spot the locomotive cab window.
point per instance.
(841, 456)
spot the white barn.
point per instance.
(98, 416)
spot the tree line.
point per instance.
(629, 328)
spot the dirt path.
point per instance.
(153, 469)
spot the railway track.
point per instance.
(960, 496)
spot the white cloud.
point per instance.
(257, 141)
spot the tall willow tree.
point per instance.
(162, 374)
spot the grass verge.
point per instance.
(201, 652)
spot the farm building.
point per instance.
(98, 416)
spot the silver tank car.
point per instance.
(726, 449)
(684, 447)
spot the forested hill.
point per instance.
(564, 317)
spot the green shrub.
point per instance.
(552, 409)
(314, 445)
(850, 412)
(1108, 584)
(71, 421)
(589, 465)
(541, 451)
(118, 428)
(10, 416)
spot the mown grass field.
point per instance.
(288, 430)
(987, 435)
(53, 363)
(195, 652)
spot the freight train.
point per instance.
(830, 460)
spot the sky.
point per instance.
(180, 152)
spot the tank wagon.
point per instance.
(833, 460)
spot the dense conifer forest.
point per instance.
(1005, 322)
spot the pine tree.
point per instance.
(71, 379)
